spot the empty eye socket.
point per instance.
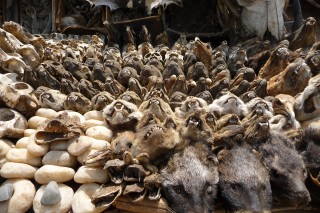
(129, 145)
(277, 102)
(275, 174)
(170, 124)
(210, 118)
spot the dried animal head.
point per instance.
(115, 169)
(277, 62)
(133, 60)
(122, 143)
(99, 72)
(77, 102)
(121, 115)
(131, 97)
(190, 181)
(156, 106)
(305, 36)
(172, 68)
(12, 63)
(27, 103)
(12, 123)
(125, 74)
(86, 88)
(177, 99)
(114, 87)
(203, 52)
(196, 71)
(228, 103)
(101, 100)
(307, 103)
(154, 137)
(52, 99)
(195, 128)
(226, 120)
(283, 105)
(244, 181)
(257, 130)
(286, 168)
(46, 79)
(146, 72)
(190, 105)
(292, 80)
(176, 83)
(259, 106)
(152, 183)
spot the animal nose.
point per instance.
(303, 197)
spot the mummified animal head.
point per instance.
(121, 115)
(12, 123)
(244, 181)
(154, 137)
(307, 103)
(190, 180)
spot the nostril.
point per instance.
(303, 197)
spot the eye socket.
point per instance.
(177, 189)
(277, 102)
(275, 174)
(129, 144)
(234, 187)
(210, 118)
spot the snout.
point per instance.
(303, 198)
(299, 196)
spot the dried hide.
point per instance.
(260, 16)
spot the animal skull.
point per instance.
(12, 123)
